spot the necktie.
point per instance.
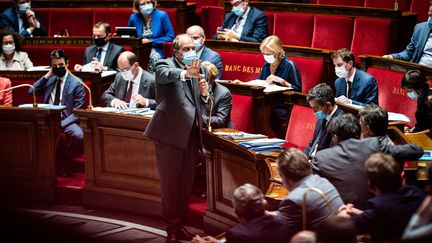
(57, 92)
(348, 93)
(129, 92)
(237, 23)
(99, 54)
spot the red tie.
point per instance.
(129, 92)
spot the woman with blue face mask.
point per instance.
(151, 24)
(417, 87)
(11, 57)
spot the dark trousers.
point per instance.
(176, 168)
(73, 146)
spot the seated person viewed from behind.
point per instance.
(417, 87)
(5, 96)
(353, 86)
(132, 85)
(103, 54)
(337, 229)
(243, 23)
(151, 24)
(60, 87)
(204, 53)
(215, 98)
(388, 213)
(419, 50)
(12, 58)
(297, 178)
(20, 18)
(321, 99)
(255, 226)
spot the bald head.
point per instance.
(195, 30)
(127, 57)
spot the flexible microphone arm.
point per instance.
(323, 196)
(90, 106)
(209, 128)
(23, 85)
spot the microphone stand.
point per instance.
(323, 196)
(90, 106)
(24, 85)
(209, 128)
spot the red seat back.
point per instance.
(325, 28)
(270, 22)
(21, 96)
(241, 113)
(116, 17)
(172, 14)
(167, 49)
(309, 79)
(391, 96)
(40, 54)
(211, 18)
(240, 65)
(388, 4)
(200, 4)
(421, 8)
(371, 36)
(78, 21)
(300, 127)
(294, 29)
(44, 15)
(342, 2)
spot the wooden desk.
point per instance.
(121, 170)
(367, 61)
(27, 154)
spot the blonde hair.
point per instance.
(212, 71)
(274, 44)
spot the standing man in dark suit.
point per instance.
(22, 19)
(244, 23)
(60, 87)
(132, 85)
(176, 128)
(103, 54)
(353, 86)
(255, 226)
(321, 99)
(204, 53)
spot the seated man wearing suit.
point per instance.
(297, 178)
(6, 96)
(419, 50)
(132, 85)
(60, 87)
(103, 54)
(22, 19)
(321, 100)
(244, 23)
(255, 226)
(389, 212)
(204, 53)
(353, 86)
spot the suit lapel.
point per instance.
(49, 88)
(143, 84)
(247, 23)
(108, 53)
(355, 84)
(122, 89)
(65, 88)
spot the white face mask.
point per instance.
(127, 75)
(9, 48)
(341, 72)
(269, 58)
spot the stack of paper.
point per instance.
(268, 87)
(266, 144)
(240, 136)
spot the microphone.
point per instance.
(24, 85)
(323, 196)
(209, 128)
(90, 106)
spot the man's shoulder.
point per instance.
(147, 76)
(256, 12)
(8, 13)
(364, 76)
(116, 47)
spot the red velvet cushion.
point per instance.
(389, 4)
(44, 17)
(116, 17)
(200, 4)
(211, 18)
(325, 28)
(371, 36)
(294, 29)
(167, 49)
(78, 21)
(270, 22)
(300, 127)
(342, 2)
(172, 14)
(421, 8)
(309, 79)
(242, 66)
(241, 113)
(390, 94)
(39, 55)
(20, 95)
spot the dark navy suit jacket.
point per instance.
(414, 50)
(364, 88)
(111, 56)
(285, 70)
(221, 111)
(162, 30)
(209, 55)
(255, 28)
(9, 20)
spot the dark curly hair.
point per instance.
(17, 38)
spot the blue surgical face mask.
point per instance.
(412, 95)
(23, 7)
(197, 43)
(320, 115)
(429, 22)
(238, 10)
(188, 57)
(146, 9)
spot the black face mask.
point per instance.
(59, 71)
(99, 42)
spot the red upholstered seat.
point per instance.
(39, 55)
(241, 113)
(204, 3)
(116, 17)
(342, 2)
(20, 95)
(167, 49)
(211, 18)
(78, 21)
(420, 7)
(172, 14)
(240, 65)
(388, 4)
(300, 127)
(270, 22)
(325, 28)
(390, 94)
(309, 79)
(294, 29)
(371, 36)
(44, 15)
